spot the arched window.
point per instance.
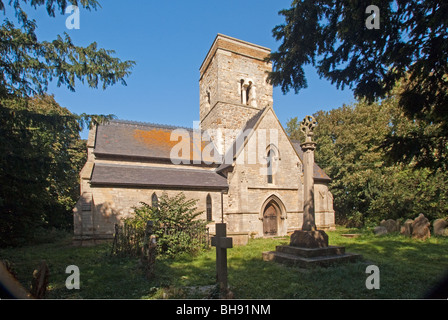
(209, 208)
(208, 97)
(241, 91)
(246, 90)
(154, 200)
(270, 163)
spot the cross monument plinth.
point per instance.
(309, 236)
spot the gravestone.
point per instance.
(391, 225)
(420, 228)
(149, 250)
(379, 230)
(406, 228)
(309, 247)
(39, 282)
(10, 288)
(440, 227)
(222, 243)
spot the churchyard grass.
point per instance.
(408, 268)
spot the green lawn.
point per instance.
(408, 268)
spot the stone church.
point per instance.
(238, 161)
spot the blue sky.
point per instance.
(168, 40)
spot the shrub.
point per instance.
(175, 224)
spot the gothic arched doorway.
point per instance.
(270, 219)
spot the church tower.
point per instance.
(233, 85)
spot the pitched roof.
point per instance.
(244, 136)
(129, 139)
(318, 173)
(119, 138)
(237, 145)
(234, 45)
(148, 176)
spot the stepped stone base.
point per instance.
(310, 257)
(309, 239)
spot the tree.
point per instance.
(366, 187)
(27, 65)
(346, 149)
(293, 129)
(176, 224)
(410, 46)
(41, 153)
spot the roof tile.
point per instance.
(148, 176)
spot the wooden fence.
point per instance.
(129, 241)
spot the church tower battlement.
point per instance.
(232, 84)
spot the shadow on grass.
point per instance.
(258, 279)
(408, 269)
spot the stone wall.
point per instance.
(110, 205)
(323, 206)
(234, 67)
(225, 122)
(249, 190)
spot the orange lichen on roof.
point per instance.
(155, 137)
(162, 140)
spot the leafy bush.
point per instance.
(366, 184)
(175, 224)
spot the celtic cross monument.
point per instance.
(308, 247)
(309, 236)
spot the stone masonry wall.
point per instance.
(232, 68)
(228, 63)
(111, 205)
(248, 186)
(249, 190)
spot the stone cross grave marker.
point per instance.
(222, 243)
(309, 236)
(307, 127)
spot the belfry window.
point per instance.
(242, 93)
(248, 89)
(270, 163)
(247, 93)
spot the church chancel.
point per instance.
(238, 162)
(308, 245)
